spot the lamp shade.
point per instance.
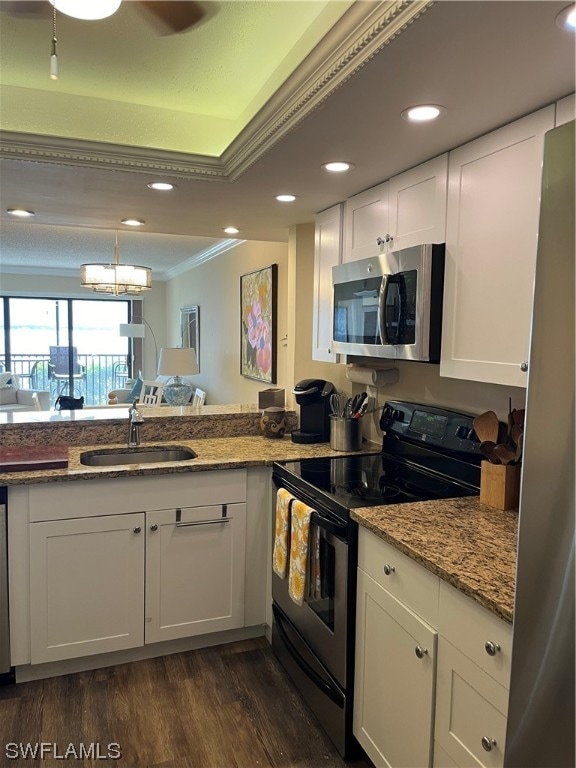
(177, 361)
(132, 330)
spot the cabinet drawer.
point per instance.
(481, 635)
(402, 577)
(471, 710)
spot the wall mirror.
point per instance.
(190, 328)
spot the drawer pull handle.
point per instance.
(491, 648)
(388, 569)
(488, 743)
(154, 527)
(420, 652)
(137, 529)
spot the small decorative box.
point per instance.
(268, 398)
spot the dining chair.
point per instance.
(59, 370)
(199, 397)
(151, 393)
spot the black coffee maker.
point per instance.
(313, 397)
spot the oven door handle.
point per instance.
(328, 525)
(328, 688)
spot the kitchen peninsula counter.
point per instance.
(464, 542)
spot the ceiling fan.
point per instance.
(168, 16)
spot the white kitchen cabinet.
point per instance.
(565, 109)
(86, 586)
(417, 204)
(473, 678)
(366, 224)
(327, 254)
(194, 571)
(86, 569)
(491, 239)
(395, 673)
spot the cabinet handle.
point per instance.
(384, 240)
(389, 569)
(137, 529)
(524, 366)
(420, 652)
(154, 527)
(204, 522)
(491, 648)
(488, 743)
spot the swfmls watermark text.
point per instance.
(48, 749)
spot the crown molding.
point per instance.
(201, 258)
(358, 36)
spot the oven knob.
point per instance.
(397, 415)
(462, 432)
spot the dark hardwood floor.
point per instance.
(231, 706)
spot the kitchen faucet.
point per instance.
(135, 419)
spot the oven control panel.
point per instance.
(429, 425)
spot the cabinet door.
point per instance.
(366, 220)
(393, 698)
(327, 254)
(491, 238)
(471, 709)
(86, 586)
(417, 204)
(194, 571)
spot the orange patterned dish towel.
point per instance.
(284, 501)
(299, 538)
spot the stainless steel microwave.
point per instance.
(391, 305)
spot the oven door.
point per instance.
(322, 619)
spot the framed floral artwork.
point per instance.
(258, 324)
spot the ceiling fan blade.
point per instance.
(31, 9)
(173, 16)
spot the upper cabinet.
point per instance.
(417, 204)
(566, 109)
(366, 224)
(327, 254)
(491, 240)
(408, 210)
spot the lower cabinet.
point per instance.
(86, 586)
(194, 571)
(110, 582)
(394, 689)
(432, 676)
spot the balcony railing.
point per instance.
(100, 373)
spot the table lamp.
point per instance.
(177, 362)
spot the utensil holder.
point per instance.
(345, 434)
(500, 485)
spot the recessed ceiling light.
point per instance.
(338, 166)
(133, 222)
(566, 19)
(21, 212)
(161, 186)
(231, 230)
(285, 198)
(422, 113)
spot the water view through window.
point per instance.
(66, 346)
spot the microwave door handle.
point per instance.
(400, 308)
(382, 296)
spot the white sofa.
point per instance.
(12, 398)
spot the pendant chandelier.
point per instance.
(117, 279)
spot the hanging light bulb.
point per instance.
(87, 9)
(54, 69)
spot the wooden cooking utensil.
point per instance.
(504, 453)
(487, 448)
(486, 426)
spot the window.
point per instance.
(67, 346)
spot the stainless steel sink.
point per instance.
(145, 455)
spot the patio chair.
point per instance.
(59, 370)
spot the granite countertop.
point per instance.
(466, 543)
(213, 454)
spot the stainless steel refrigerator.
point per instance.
(541, 717)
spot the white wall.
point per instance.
(215, 287)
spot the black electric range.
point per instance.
(427, 453)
